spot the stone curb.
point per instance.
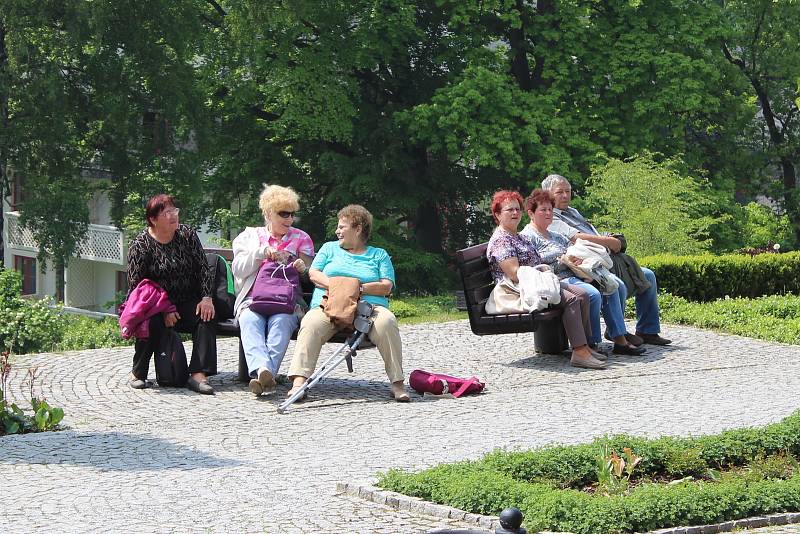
(415, 505)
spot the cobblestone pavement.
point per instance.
(168, 460)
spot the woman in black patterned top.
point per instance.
(171, 255)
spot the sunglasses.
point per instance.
(286, 214)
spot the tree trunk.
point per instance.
(58, 263)
(4, 179)
(428, 228)
(777, 137)
(790, 201)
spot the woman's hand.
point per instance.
(300, 265)
(575, 260)
(171, 318)
(281, 256)
(205, 309)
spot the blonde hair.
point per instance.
(357, 215)
(275, 198)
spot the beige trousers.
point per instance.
(316, 329)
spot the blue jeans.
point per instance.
(647, 320)
(265, 339)
(608, 304)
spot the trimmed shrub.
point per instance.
(707, 277)
(26, 325)
(546, 483)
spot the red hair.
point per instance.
(537, 197)
(502, 196)
(156, 205)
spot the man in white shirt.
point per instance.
(569, 222)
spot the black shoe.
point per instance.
(628, 350)
(200, 386)
(654, 339)
(633, 339)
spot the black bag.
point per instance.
(222, 293)
(171, 366)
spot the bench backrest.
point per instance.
(473, 266)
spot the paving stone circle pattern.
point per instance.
(169, 460)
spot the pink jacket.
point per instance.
(146, 300)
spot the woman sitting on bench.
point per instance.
(507, 251)
(350, 256)
(551, 246)
(265, 337)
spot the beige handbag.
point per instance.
(504, 298)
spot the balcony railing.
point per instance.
(102, 243)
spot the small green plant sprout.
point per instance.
(631, 461)
(13, 420)
(614, 472)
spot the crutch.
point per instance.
(362, 324)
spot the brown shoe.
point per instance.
(266, 380)
(587, 363)
(654, 339)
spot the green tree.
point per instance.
(78, 81)
(657, 207)
(762, 41)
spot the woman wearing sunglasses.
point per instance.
(265, 337)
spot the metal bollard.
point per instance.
(510, 523)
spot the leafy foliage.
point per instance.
(653, 204)
(760, 226)
(14, 420)
(26, 325)
(546, 484)
(707, 277)
(772, 318)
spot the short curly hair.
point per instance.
(357, 215)
(537, 197)
(275, 198)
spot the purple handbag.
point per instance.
(275, 289)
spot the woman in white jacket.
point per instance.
(265, 338)
(551, 246)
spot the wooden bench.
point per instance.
(473, 266)
(230, 327)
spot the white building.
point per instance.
(93, 277)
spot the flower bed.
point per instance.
(601, 487)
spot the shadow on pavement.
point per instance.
(107, 451)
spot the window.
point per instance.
(26, 266)
(17, 191)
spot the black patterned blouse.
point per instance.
(180, 266)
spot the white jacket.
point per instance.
(538, 287)
(248, 253)
(595, 262)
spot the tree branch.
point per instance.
(218, 8)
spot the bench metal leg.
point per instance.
(244, 374)
(550, 338)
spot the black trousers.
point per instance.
(204, 341)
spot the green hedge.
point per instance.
(543, 482)
(707, 277)
(772, 318)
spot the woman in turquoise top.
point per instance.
(351, 256)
